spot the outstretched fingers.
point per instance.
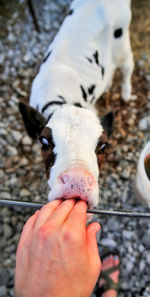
(46, 212)
(61, 214)
(77, 217)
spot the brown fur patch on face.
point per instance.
(99, 152)
(48, 153)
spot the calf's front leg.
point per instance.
(127, 70)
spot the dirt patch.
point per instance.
(140, 28)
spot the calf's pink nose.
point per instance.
(77, 176)
(76, 182)
(76, 179)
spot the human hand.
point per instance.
(57, 254)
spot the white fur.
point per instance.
(75, 133)
(88, 29)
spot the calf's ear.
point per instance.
(107, 122)
(34, 121)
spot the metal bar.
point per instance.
(120, 213)
(14, 203)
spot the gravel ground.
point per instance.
(21, 168)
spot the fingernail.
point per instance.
(98, 227)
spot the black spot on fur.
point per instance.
(118, 33)
(61, 97)
(90, 60)
(93, 98)
(44, 60)
(91, 89)
(96, 57)
(102, 70)
(84, 95)
(70, 12)
(50, 104)
(49, 117)
(77, 104)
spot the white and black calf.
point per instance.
(77, 69)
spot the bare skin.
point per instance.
(57, 254)
(109, 262)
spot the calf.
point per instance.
(77, 69)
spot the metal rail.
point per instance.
(14, 203)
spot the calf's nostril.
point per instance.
(90, 180)
(64, 178)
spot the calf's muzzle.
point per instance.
(77, 183)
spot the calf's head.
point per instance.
(73, 142)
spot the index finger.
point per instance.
(77, 217)
(46, 212)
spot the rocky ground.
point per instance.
(21, 168)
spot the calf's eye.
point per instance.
(45, 143)
(101, 148)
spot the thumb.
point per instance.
(91, 231)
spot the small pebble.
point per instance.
(24, 193)
(27, 141)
